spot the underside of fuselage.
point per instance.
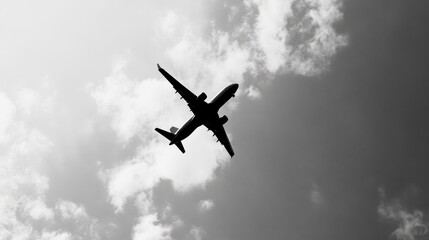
(206, 118)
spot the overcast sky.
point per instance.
(329, 126)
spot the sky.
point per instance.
(329, 125)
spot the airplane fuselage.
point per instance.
(205, 113)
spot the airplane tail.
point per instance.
(170, 135)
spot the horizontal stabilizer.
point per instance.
(170, 136)
(180, 146)
(166, 134)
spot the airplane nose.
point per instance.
(235, 86)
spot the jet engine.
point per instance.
(223, 119)
(202, 97)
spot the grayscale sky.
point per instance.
(329, 125)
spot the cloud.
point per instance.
(56, 236)
(154, 163)
(273, 36)
(296, 36)
(196, 233)
(133, 105)
(148, 227)
(70, 210)
(170, 23)
(7, 113)
(253, 92)
(22, 187)
(269, 31)
(206, 205)
(30, 100)
(410, 224)
(316, 196)
(37, 209)
(209, 66)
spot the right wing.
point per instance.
(182, 90)
(223, 138)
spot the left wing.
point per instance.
(220, 133)
(182, 90)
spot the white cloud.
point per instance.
(295, 36)
(275, 35)
(28, 142)
(233, 10)
(70, 210)
(37, 209)
(16, 230)
(270, 33)
(148, 227)
(206, 205)
(29, 100)
(410, 224)
(133, 105)
(316, 196)
(210, 66)
(22, 187)
(129, 179)
(159, 161)
(7, 113)
(56, 236)
(149, 224)
(196, 233)
(170, 23)
(253, 92)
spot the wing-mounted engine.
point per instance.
(223, 119)
(202, 96)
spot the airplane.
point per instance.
(204, 114)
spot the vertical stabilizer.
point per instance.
(173, 130)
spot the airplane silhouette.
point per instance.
(204, 114)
